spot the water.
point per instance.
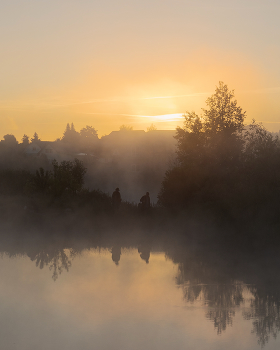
(70, 294)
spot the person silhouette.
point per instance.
(116, 199)
(145, 202)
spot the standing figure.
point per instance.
(116, 199)
(145, 202)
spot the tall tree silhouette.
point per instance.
(223, 167)
(71, 137)
(89, 138)
(35, 138)
(209, 151)
(25, 140)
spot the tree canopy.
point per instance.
(89, 133)
(70, 135)
(124, 127)
(220, 161)
(25, 140)
(216, 134)
(68, 176)
(152, 127)
(9, 140)
(35, 138)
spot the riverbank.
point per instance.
(90, 215)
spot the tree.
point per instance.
(70, 135)
(89, 133)
(259, 143)
(261, 167)
(191, 140)
(25, 140)
(67, 176)
(152, 127)
(209, 152)
(72, 127)
(35, 138)
(223, 114)
(124, 127)
(222, 167)
(89, 139)
(41, 180)
(67, 130)
(216, 134)
(9, 140)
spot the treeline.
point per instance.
(54, 199)
(67, 177)
(84, 140)
(14, 157)
(224, 167)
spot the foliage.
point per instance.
(83, 141)
(223, 114)
(35, 138)
(221, 165)
(124, 127)
(67, 176)
(25, 140)
(88, 138)
(42, 180)
(9, 140)
(70, 134)
(216, 135)
(152, 127)
(259, 143)
(89, 133)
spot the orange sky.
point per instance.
(133, 63)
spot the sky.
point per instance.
(108, 63)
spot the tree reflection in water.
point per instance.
(265, 313)
(220, 279)
(56, 259)
(219, 287)
(221, 299)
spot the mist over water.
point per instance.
(135, 289)
(116, 233)
(90, 260)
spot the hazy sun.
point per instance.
(166, 117)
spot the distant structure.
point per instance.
(49, 149)
(135, 160)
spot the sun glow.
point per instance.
(165, 117)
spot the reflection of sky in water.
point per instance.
(100, 305)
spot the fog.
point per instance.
(119, 238)
(126, 271)
(135, 161)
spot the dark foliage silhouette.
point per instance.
(67, 176)
(222, 166)
(35, 138)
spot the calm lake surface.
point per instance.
(143, 295)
